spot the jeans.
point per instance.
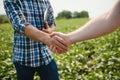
(46, 72)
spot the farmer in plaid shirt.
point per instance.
(30, 52)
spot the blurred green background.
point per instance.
(96, 59)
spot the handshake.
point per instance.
(57, 42)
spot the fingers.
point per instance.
(57, 50)
(58, 45)
(63, 36)
(48, 29)
(53, 48)
(56, 33)
(60, 42)
(46, 25)
(59, 34)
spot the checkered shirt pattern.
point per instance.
(21, 13)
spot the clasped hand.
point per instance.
(58, 42)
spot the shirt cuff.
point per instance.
(21, 27)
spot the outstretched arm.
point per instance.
(100, 25)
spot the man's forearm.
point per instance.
(36, 34)
(94, 28)
(100, 25)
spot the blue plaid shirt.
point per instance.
(21, 13)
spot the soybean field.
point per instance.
(95, 59)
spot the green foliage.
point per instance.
(7, 71)
(68, 15)
(82, 14)
(4, 19)
(64, 14)
(97, 59)
(76, 14)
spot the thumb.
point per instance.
(46, 25)
(59, 34)
(54, 33)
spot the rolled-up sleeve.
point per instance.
(15, 15)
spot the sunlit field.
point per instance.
(96, 59)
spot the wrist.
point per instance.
(46, 39)
(70, 38)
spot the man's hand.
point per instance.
(58, 45)
(48, 29)
(61, 38)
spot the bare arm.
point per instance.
(36, 34)
(44, 37)
(100, 25)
